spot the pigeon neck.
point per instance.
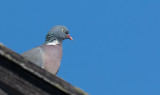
(52, 40)
(55, 42)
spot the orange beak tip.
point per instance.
(69, 37)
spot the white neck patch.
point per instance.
(53, 43)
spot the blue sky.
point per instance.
(115, 50)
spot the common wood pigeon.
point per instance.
(48, 55)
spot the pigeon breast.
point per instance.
(46, 56)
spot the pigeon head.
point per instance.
(57, 34)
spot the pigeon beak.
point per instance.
(69, 37)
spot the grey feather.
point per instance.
(34, 55)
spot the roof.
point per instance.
(19, 76)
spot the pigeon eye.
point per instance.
(62, 29)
